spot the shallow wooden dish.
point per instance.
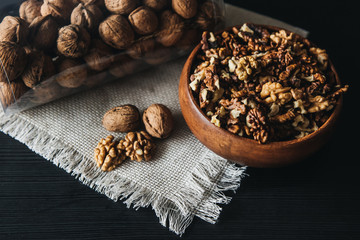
(243, 150)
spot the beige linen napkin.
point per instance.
(184, 179)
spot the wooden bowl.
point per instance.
(243, 150)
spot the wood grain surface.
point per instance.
(316, 199)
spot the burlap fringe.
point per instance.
(200, 195)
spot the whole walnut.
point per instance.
(189, 39)
(185, 8)
(99, 56)
(171, 28)
(141, 47)
(158, 121)
(72, 73)
(157, 5)
(123, 65)
(47, 91)
(116, 32)
(88, 16)
(60, 9)
(14, 29)
(125, 118)
(99, 3)
(159, 55)
(44, 32)
(121, 6)
(29, 10)
(209, 16)
(9, 93)
(143, 20)
(40, 68)
(73, 41)
(13, 59)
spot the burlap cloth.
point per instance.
(184, 179)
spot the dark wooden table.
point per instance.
(316, 199)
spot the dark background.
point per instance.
(316, 199)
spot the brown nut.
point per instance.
(159, 55)
(116, 32)
(60, 9)
(171, 29)
(125, 118)
(157, 5)
(29, 10)
(72, 73)
(124, 65)
(88, 16)
(99, 56)
(141, 47)
(158, 121)
(40, 68)
(73, 41)
(14, 29)
(99, 3)
(185, 8)
(46, 91)
(209, 16)
(44, 32)
(13, 60)
(121, 6)
(9, 93)
(143, 20)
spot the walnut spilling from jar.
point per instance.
(107, 155)
(264, 84)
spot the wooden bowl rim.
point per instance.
(270, 145)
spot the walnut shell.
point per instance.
(47, 91)
(159, 55)
(99, 3)
(125, 118)
(116, 32)
(9, 93)
(209, 16)
(60, 9)
(88, 16)
(185, 8)
(141, 47)
(99, 56)
(171, 29)
(14, 29)
(40, 68)
(29, 10)
(72, 73)
(73, 41)
(157, 5)
(124, 65)
(121, 6)
(44, 32)
(143, 20)
(13, 59)
(158, 121)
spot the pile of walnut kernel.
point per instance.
(264, 85)
(68, 42)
